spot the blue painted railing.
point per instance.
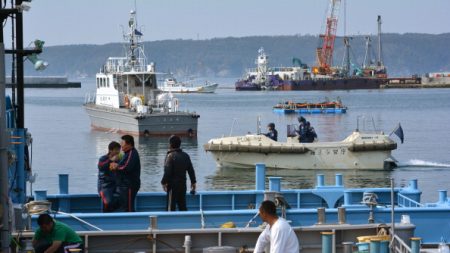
(404, 201)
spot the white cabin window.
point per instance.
(107, 82)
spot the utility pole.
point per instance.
(4, 182)
(4, 225)
(4, 205)
(380, 61)
(15, 13)
(20, 72)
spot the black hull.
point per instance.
(355, 83)
(336, 84)
(248, 88)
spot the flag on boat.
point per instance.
(399, 132)
(136, 32)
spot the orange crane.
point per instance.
(324, 53)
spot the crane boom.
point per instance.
(325, 53)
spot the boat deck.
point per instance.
(243, 239)
(211, 209)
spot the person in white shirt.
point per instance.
(278, 233)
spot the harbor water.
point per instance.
(63, 142)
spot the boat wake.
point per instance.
(421, 163)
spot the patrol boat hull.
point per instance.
(357, 151)
(125, 121)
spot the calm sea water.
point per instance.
(64, 143)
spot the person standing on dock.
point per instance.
(107, 177)
(278, 233)
(176, 164)
(53, 236)
(128, 174)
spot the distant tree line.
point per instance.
(403, 54)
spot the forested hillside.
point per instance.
(403, 54)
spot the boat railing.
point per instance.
(398, 245)
(404, 201)
(164, 105)
(122, 64)
(89, 98)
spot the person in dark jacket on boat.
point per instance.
(176, 164)
(273, 133)
(302, 129)
(311, 134)
(128, 174)
(107, 178)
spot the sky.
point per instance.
(67, 22)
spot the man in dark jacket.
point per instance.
(176, 165)
(107, 177)
(311, 134)
(302, 130)
(128, 174)
(273, 133)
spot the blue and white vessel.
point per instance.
(327, 107)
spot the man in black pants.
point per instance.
(128, 174)
(176, 165)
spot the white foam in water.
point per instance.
(421, 163)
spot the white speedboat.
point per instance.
(357, 151)
(172, 85)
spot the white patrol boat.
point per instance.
(128, 99)
(357, 151)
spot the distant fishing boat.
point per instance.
(172, 85)
(128, 99)
(305, 107)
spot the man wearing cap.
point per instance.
(176, 164)
(273, 133)
(302, 130)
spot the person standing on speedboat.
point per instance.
(176, 164)
(273, 133)
(311, 135)
(305, 131)
(302, 129)
(128, 174)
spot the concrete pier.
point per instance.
(46, 82)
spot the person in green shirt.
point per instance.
(55, 237)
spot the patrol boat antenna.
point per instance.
(134, 50)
